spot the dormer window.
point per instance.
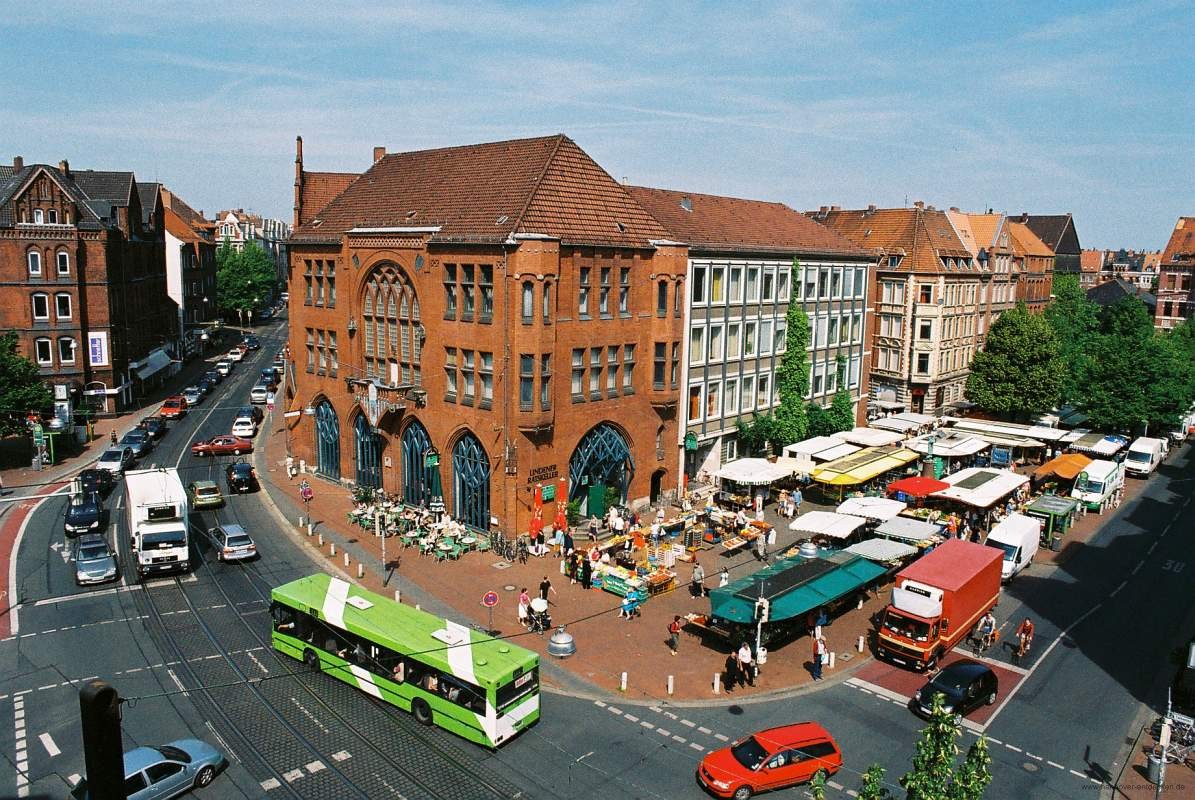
(894, 261)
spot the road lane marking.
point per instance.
(630, 718)
(721, 737)
(341, 755)
(270, 783)
(647, 725)
(1055, 764)
(690, 723)
(18, 705)
(1014, 748)
(14, 603)
(293, 775)
(697, 747)
(47, 741)
(315, 766)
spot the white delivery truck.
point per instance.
(158, 521)
(1097, 485)
(1018, 536)
(1144, 455)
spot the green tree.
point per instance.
(842, 411)
(819, 421)
(244, 279)
(817, 786)
(1019, 370)
(873, 787)
(759, 435)
(1075, 321)
(934, 775)
(792, 377)
(22, 389)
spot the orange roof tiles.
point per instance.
(1091, 260)
(922, 235)
(488, 192)
(1181, 246)
(1025, 241)
(712, 222)
(320, 188)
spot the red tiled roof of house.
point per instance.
(712, 222)
(1026, 242)
(922, 235)
(489, 192)
(1181, 246)
(321, 188)
(1091, 260)
(180, 228)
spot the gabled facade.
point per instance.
(1176, 277)
(497, 305)
(1035, 261)
(1059, 234)
(190, 271)
(928, 307)
(988, 239)
(82, 255)
(749, 260)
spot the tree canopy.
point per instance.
(1019, 370)
(934, 775)
(245, 278)
(792, 378)
(1074, 320)
(22, 389)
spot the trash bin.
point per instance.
(1056, 542)
(1153, 768)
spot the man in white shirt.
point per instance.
(746, 668)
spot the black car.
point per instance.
(251, 411)
(96, 480)
(252, 342)
(139, 440)
(965, 685)
(214, 376)
(205, 386)
(270, 375)
(84, 514)
(154, 426)
(241, 477)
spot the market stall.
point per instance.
(1060, 471)
(1056, 513)
(918, 533)
(917, 487)
(869, 437)
(790, 588)
(859, 469)
(877, 509)
(950, 450)
(1099, 445)
(741, 477)
(907, 423)
(826, 526)
(884, 551)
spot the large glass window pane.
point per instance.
(696, 345)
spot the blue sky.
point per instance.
(1042, 107)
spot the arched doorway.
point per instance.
(417, 479)
(368, 447)
(391, 332)
(601, 461)
(327, 441)
(471, 483)
(657, 484)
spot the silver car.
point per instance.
(232, 543)
(94, 561)
(168, 770)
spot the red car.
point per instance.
(225, 445)
(174, 407)
(768, 760)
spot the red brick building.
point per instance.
(1176, 277)
(82, 253)
(492, 304)
(1034, 267)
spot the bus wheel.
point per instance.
(311, 659)
(422, 711)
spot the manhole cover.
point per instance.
(510, 587)
(847, 656)
(501, 565)
(1029, 766)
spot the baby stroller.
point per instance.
(539, 618)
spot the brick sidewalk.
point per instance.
(606, 645)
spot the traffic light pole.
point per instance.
(103, 748)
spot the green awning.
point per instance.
(795, 586)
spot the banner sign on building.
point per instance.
(97, 348)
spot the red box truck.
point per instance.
(936, 601)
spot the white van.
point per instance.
(1144, 455)
(1019, 536)
(1098, 484)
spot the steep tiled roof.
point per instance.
(148, 193)
(488, 192)
(978, 231)
(320, 188)
(1111, 292)
(5, 171)
(1048, 227)
(91, 211)
(711, 222)
(1181, 246)
(115, 187)
(921, 235)
(184, 211)
(1025, 241)
(180, 228)
(1091, 260)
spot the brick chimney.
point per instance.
(919, 204)
(836, 208)
(18, 164)
(64, 167)
(871, 208)
(378, 154)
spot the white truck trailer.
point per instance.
(158, 521)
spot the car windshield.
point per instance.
(173, 753)
(907, 627)
(239, 540)
(1010, 550)
(92, 552)
(1139, 456)
(949, 683)
(111, 455)
(1095, 487)
(207, 491)
(749, 753)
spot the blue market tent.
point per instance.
(794, 586)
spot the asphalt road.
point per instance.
(191, 657)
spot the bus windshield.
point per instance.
(1093, 487)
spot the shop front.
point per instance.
(600, 470)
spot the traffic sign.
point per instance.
(490, 599)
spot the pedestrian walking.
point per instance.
(524, 604)
(112, 435)
(545, 586)
(796, 501)
(761, 547)
(697, 582)
(723, 577)
(586, 573)
(625, 609)
(674, 633)
(567, 545)
(746, 667)
(819, 656)
(732, 671)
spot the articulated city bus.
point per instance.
(444, 673)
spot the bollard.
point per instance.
(622, 683)
(321, 540)
(417, 607)
(397, 596)
(831, 664)
(717, 683)
(859, 606)
(860, 644)
(346, 559)
(360, 570)
(310, 528)
(333, 549)
(301, 520)
(670, 685)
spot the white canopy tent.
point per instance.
(1008, 429)
(907, 529)
(954, 446)
(758, 471)
(869, 437)
(981, 487)
(880, 509)
(821, 448)
(827, 523)
(894, 424)
(881, 550)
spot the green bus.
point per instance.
(442, 672)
